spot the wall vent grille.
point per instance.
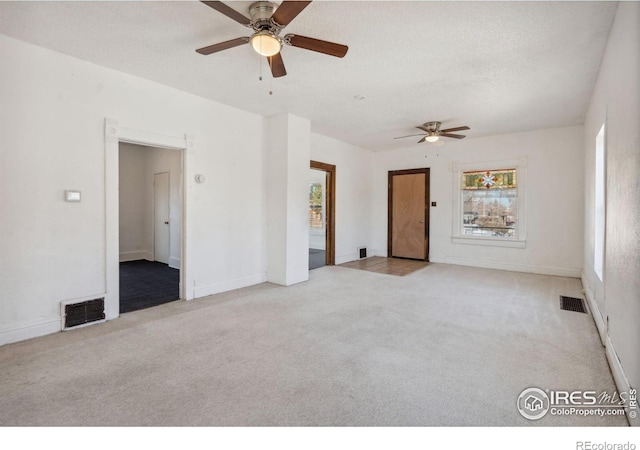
(572, 304)
(363, 252)
(77, 314)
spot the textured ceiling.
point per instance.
(498, 67)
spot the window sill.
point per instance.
(493, 242)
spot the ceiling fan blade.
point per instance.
(422, 140)
(229, 12)
(411, 135)
(455, 129)
(288, 11)
(316, 45)
(455, 136)
(277, 65)
(222, 46)
(420, 127)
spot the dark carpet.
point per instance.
(316, 258)
(144, 284)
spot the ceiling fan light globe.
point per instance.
(265, 43)
(432, 138)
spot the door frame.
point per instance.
(330, 207)
(427, 207)
(114, 134)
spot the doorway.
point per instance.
(150, 203)
(408, 214)
(322, 179)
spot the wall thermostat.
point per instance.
(72, 196)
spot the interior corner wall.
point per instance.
(159, 160)
(554, 198)
(276, 230)
(616, 101)
(134, 201)
(138, 165)
(52, 138)
(288, 146)
(353, 194)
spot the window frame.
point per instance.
(457, 236)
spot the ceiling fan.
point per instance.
(267, 21)
(433, 132)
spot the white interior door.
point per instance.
(161, 217)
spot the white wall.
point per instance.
(353, 193)
(138, 164)
(554, 199)
(52, 139)
(288, 145)
(317, 236)
(163, 160)
(616, 100)
(134, 216)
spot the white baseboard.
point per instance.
(203, 291)
(135, 256)
(619, 377)
(29, 330)
(542, 270)
(346, 258)
(601, 324)
(174, 263)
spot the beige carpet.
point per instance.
(446, 345)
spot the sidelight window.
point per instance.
(316, 205)
(599, 207)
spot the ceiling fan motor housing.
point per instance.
(261, 12)
(265, 40)
(432, 126)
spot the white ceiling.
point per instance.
(498, 67)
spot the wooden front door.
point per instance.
(409, 214)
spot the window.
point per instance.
(599, 207)
(490, 203)
(316, 205)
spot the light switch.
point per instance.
(72, 196)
